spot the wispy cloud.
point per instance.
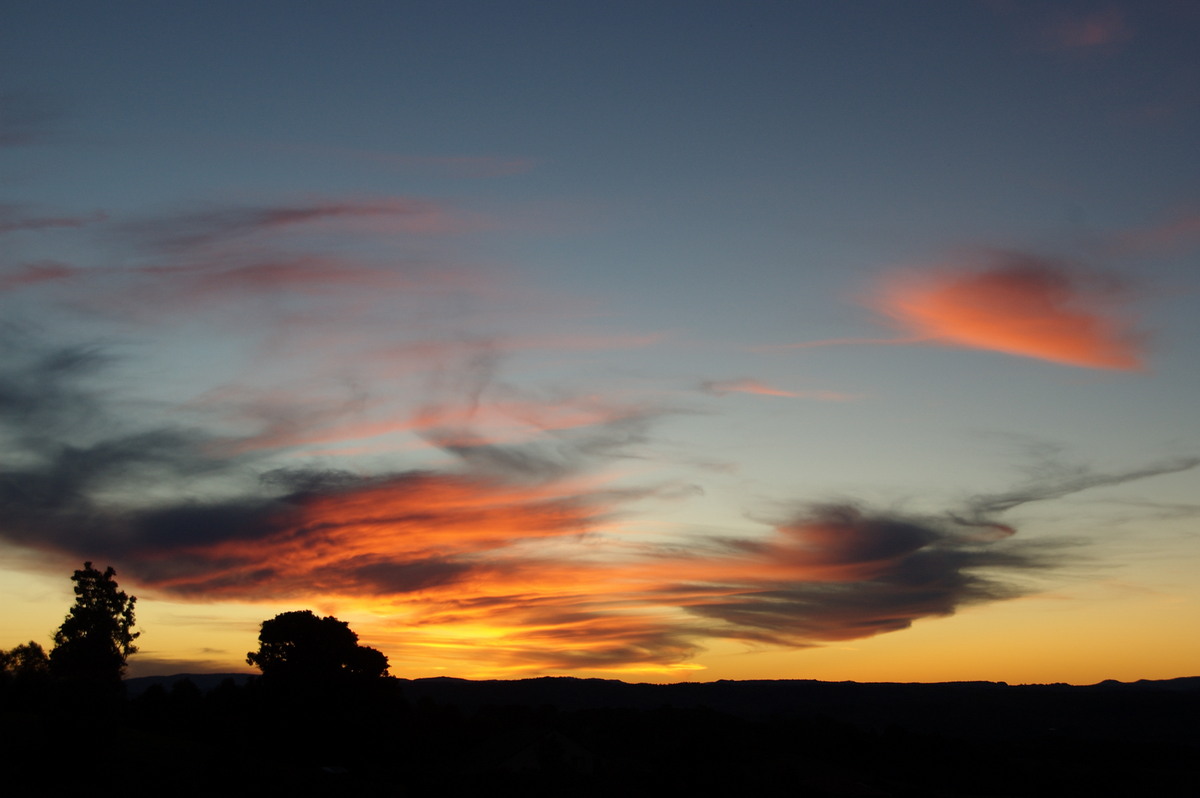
(221, 279)
(33, 273)
(751, 386)
(1054, 480)
(205, 227)
(14, 218)
(1181, 233)
(519, 544)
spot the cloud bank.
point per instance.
(519, 542)
(499, 514)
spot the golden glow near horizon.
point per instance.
(1089, 632)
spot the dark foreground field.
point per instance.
(585, 737)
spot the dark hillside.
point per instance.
(565, 736)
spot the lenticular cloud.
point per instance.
(1020, 305)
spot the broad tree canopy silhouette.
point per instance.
(97, 636)
(300, 646)
(26, 661)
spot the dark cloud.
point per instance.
(837, 572)
(40, 388)
(389, 577)
(74, 480)
(71, 479)
(308, 481)
(64, 451)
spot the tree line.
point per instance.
(93, 645)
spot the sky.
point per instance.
(658, 341)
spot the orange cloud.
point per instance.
(1021, 306)
(394, 536)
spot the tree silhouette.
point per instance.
(26, 661)
(300, 646)
(96, 638)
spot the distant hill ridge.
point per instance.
(1146, 710)
(570, 692)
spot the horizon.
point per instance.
(248, 675)
(661, 342)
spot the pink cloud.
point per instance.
(722, 387)
(305, 275)
(316, 302)
(34, 273)
(1177, 234)
(1022, 306)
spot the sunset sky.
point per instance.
(658, 341)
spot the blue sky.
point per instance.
(651, 340)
